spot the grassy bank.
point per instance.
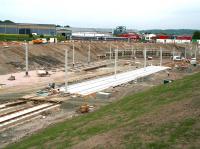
(166, 116)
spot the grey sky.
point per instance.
(137, 14)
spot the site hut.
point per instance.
(27, 28)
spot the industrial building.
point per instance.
(63, 31)
(26, 28)
(173, 39)
(91, 34)
(149, 37)
(101, 34)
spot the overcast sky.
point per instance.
(135, 14)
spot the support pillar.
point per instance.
(26, 58)
(160, 56)
(145, 56)
(116, 58)
(66, 70)
(73, 55)
(89, 54)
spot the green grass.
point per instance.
(132, 121)
(19, 37)
(14, 37)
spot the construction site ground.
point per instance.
(26, 87)
(70, 105)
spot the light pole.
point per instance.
(89, 54)
(26, 57)
(160, 56)
(116, 58)
(132, 51)
(145, 55)
(185, 54)
(110, 52)
(66, 69)
(196, 52)
(73, 54)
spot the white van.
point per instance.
(193, 61)
(177, 58)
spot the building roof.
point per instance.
(184, 37)
(23, 24)
(100, 30)
(174, 37)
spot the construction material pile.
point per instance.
(178, 64)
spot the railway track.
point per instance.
(10, 104)
(21, 114)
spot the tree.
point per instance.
(120, 30)
(196, 35)
(8, 21)
(30, 36)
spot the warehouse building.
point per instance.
(26, 28)
(63, 31)
(173, 39)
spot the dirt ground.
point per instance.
(29, 85)
(12, 57)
